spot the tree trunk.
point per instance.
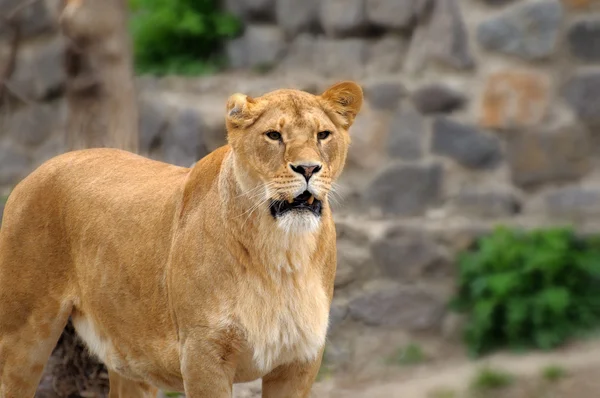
(103, 112)
(100, 89)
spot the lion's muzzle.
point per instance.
(303, 202)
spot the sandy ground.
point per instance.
(580, 361)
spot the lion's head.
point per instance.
(290, 146)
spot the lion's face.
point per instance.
(290, 146)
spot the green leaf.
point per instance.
(504, 284)
(517, 314)
(479, 286)
(556, 300)
(546, 339)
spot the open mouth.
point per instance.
(303, 202)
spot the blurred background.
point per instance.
(468, 264)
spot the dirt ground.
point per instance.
(452, 377)
(579, 361)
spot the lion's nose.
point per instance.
(306, 170)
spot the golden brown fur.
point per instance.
(181, 278)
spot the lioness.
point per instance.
(183, 279)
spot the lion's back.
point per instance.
(105, 195)
(86, 182)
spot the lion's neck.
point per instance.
(252, 226)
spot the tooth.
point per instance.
(311, 200)
(290, 200)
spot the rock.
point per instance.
(351, 231)
(577, 4)
(344, 274)
(337, 313)
(235, 7)
(573, 202)
(584, 40)
(384, 94)
(481, 202)
(145, 83)
(406, 136)
(40, 72)
(465, 144)
(422, 9)
(453, 327)
(528, 30)
(463, 237)
(14, 165)
(582, 93)
(183, 144)
(32, 125)
(386, 55)
(54, 146)
(549, 155)
(442, 38)
(405, 189)
(497, 2)
(407, 254)
(350, 258)
(386, 303)
(390, 14)
(296, 16)
(237, 55)
(301, 54)
(437, 98)
(34, 19)
(252, 10)
(343, 59)
(259, 10)
(367, 135)
(514, 98)
(215, 132)
(342, 17)
(265, 45)
(338, 351)
(153, 121)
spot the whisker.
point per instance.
(289, 186)
(256, 190)
(333, 194)
(253, 210)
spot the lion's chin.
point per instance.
(298, 222)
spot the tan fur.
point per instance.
(181, 278)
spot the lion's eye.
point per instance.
(323, 134)
(274, 135)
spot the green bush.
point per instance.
(553, 373)
(530, 289)
(490, 379)
(411, 354)
(179, 36)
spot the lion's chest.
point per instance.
(285, 324)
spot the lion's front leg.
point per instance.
(291, 381)
(121, 387)
(208, 367)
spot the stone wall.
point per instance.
(31, 123)
(478, 112)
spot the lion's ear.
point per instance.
(239, 110)
(345, 99)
